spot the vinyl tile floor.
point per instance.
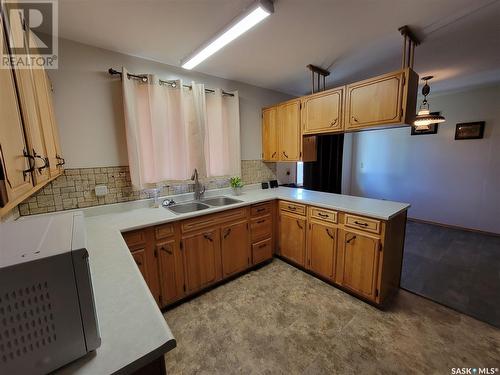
(280, 320)
(457, 268)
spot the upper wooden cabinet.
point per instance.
(282, 134)
(322, 112)
(270, 141)
(49, 128)
(289, 131)
(384, 100)
(29, 139)
(12, 143)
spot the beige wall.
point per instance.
(446, 181)
(89, 111)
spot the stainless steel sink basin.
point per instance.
(220, 201)
(183, 208)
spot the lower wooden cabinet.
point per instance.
(321, 247)
(360, 254)
(293, 237)
(202, 259)
(234, 247)
(140, 259)
(171, 272)
(360, 268)
(262, 251)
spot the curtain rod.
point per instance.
(169, 83)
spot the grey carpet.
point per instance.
(457, 268)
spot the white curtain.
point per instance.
(222, 138)
(173, 130)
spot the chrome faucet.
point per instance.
(199, 189)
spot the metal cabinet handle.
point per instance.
(168, 251)
(300, 226)
(61, 161)
(31, 162)
(44, 159)
(285, 155)
(360, 223)
(263, 245)
(228, 232)
(261, 209)
(333, 122)
(207, 237)
(261, 221)
(292, 208)
(355, 119)
(274, 154)
(323, 215)
(350, 239)
(329, 234)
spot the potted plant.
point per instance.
(236, 184)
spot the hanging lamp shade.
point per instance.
(424, 117)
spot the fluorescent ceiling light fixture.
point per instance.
(251, 17)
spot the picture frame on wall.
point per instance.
(433, 128)
(470, 130)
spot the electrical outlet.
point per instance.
(101, 190)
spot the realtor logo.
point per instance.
(31, 30)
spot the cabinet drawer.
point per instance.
(261, 227)
(364, 223)
(323, 214)
(296, 208)
(164, 231)
(134, 238)
(260, 209)
(262, 251)
(213, 219)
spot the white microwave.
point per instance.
(47, 310)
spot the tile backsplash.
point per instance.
(75, 188)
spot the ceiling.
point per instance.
(353, 39)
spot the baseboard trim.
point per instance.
(453, 227)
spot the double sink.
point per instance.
(182, 208)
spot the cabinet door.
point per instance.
(361, 253)
(375, 101)
(170, 270)
(29, 111)
(289, 134)
(202, 259)
(292, 237)
(270, 142)
(322, 239)
(322, 112)
(139, 256)
(235, 247)
(12, 143)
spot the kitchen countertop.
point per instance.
(119, 217)
(133, 330)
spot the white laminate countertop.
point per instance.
(140, 214)
(133, 330)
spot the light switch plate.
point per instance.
(101, 190)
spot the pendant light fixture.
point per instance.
(424, 117)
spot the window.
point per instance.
(300, 173)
